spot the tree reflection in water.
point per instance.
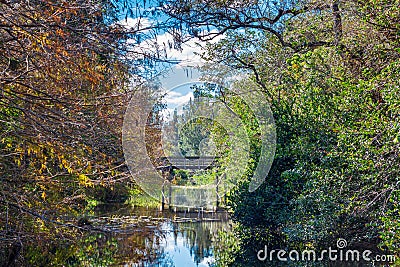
(134, 237)
(178, 239)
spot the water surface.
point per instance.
(150, 237)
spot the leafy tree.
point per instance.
(330, 72)
(64, 87)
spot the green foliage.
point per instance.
(181, 177)
(331, 73)
(390, 227)
(192, 133)
(336, 109)
(227, 248)
(205, 177)
(92, 250)
(139, 198)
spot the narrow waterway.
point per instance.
(122, 235)
(150, 237)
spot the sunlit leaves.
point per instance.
(336, 107)
(62, 96)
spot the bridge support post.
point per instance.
(216, 191)
(170, 198)
(162, 198)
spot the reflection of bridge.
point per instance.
(188, 163)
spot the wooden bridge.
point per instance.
(188, 163)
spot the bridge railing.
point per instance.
(189, 163)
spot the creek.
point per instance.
(150, 237)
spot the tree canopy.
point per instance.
(329, 69)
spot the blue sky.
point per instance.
(178, 79)
(177, 85)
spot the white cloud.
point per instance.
(182, 73)
(167, 114)
(186, 55)
(172, 94)
(135, 24)
(164, 43)
(177, 99)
